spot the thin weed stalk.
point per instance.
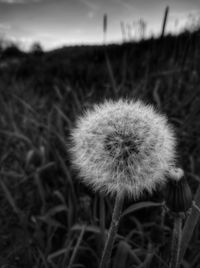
(164, 22)
(105, 25)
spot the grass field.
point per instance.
(47, 217)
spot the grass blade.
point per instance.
(189, 226)
(77, 246)
(9, 198)
(140, 205)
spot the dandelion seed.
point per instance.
(123, 146)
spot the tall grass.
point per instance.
(50, 220)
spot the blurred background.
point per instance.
(58, 58)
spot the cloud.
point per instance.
(10, 2)
(126, 4)
(193, 12)
(90, 4)
(91, 14)
(4, 27)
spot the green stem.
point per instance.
(176, 242)
(105, 259)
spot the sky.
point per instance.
(55, 23)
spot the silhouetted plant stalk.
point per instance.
(105, 25)
(164, 22)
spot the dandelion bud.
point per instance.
(123, 146)
(178, 195)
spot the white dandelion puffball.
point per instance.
(123, 146)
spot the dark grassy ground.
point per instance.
(49, 219)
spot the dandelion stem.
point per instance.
(176, 242)
(105, 259)
(102, 234)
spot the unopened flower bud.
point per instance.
(178, 195)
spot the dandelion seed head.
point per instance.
(123, 146)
